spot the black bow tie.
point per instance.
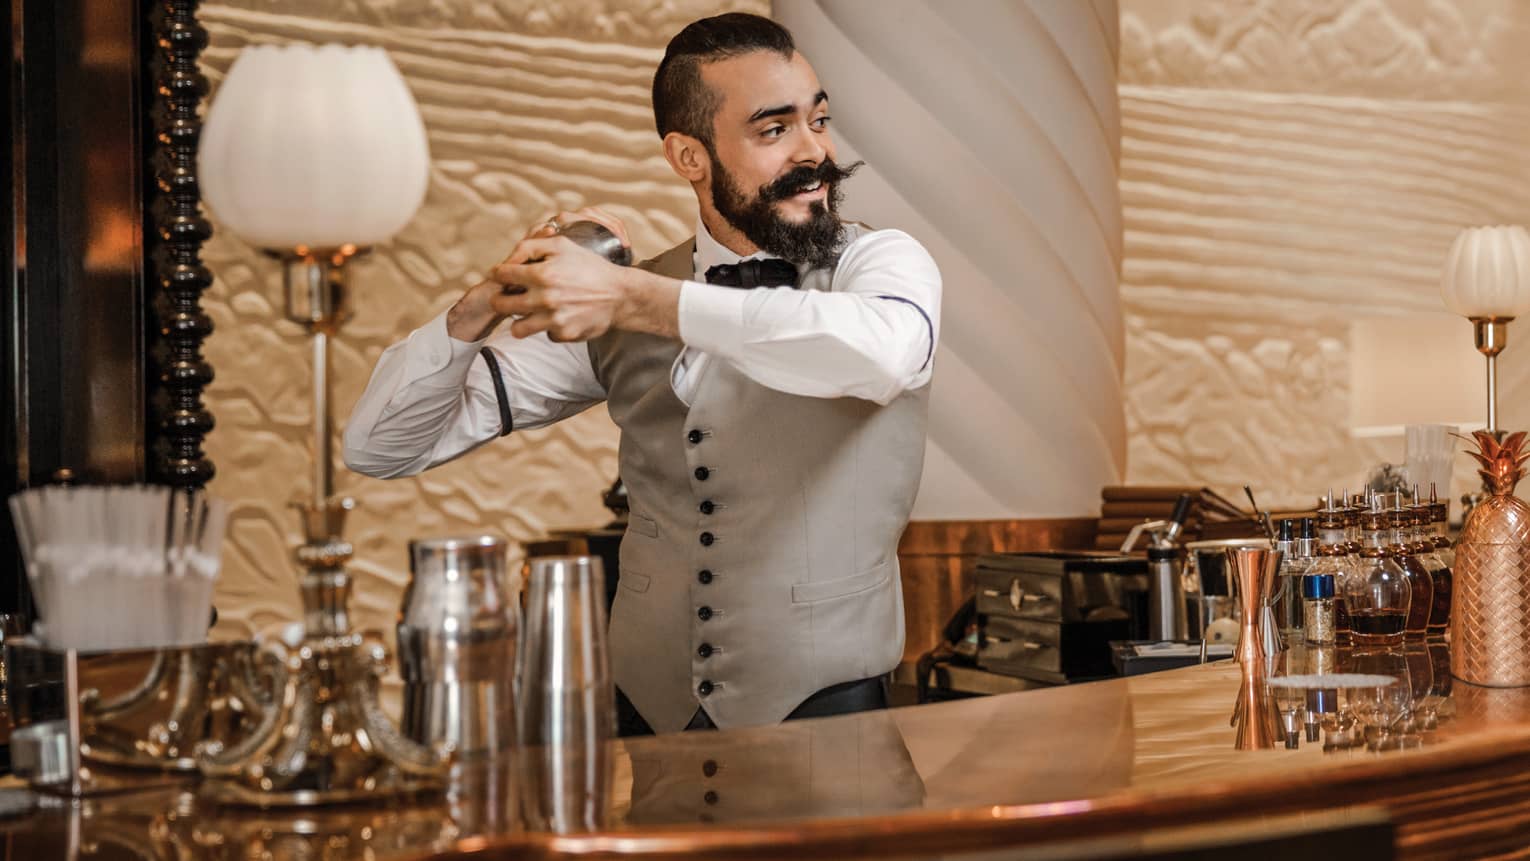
(770, 272)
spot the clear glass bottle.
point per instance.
(1420, 583)
(1288, 599)
(1377, 594)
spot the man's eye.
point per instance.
(821, 122)
(774, 132)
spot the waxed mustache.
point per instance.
(798, 178)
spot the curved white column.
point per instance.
(991, 132)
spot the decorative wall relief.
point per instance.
(1288, 165)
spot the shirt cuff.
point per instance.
(712, 318)
(434, 353)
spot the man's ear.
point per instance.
(687, 157)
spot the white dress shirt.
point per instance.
(872, 335)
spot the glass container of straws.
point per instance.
(122, 567)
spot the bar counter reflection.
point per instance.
(1110, 758)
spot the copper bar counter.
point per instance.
(1107, 760)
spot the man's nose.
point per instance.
(810, 149)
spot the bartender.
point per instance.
(770, 377)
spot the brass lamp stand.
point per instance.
(1491, 335)
(326, 739)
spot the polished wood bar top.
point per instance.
(1027, 769)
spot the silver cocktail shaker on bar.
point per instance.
(1166, 591)
(565, 701)
(456, 645)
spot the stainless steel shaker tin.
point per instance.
(457, 633)
(565, 707)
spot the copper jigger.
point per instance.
(1256, 714)
(1254, 569)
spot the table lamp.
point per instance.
(313, 154)
(1487, 280)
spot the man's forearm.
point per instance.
(651, 304)
(473, 318)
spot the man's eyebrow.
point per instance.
(783, 110)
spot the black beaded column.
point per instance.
(175, 230)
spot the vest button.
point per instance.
(705, 650)
(705, 576)
(707, 539)
(709, 768)
(702, 473)
(694, 436)
(705, 688)
(710, 797)
(707, 507)
(704, 613)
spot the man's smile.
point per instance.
(815, 190)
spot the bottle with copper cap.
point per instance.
(1422, 543)
(1378, 594)
(1399, 523)
(1354, 507)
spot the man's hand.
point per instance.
(551, 284)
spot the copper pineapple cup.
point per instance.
(1490, 607)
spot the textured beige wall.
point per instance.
(1287, 164)
(530, 105)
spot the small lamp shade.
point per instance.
(314, 146)
(1487, 273)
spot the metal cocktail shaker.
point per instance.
(457, 644)
(599, 239)
(565, 700)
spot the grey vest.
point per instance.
(760, 561)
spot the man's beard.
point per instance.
(817, 241)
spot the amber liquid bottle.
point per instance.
(1420, 583)
(1444, 579)
(1377, 592)
(1419, 539)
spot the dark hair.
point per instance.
(682, 102)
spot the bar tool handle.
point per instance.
(1177, 520)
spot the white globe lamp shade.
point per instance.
(1487, 273)
(317, 147)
